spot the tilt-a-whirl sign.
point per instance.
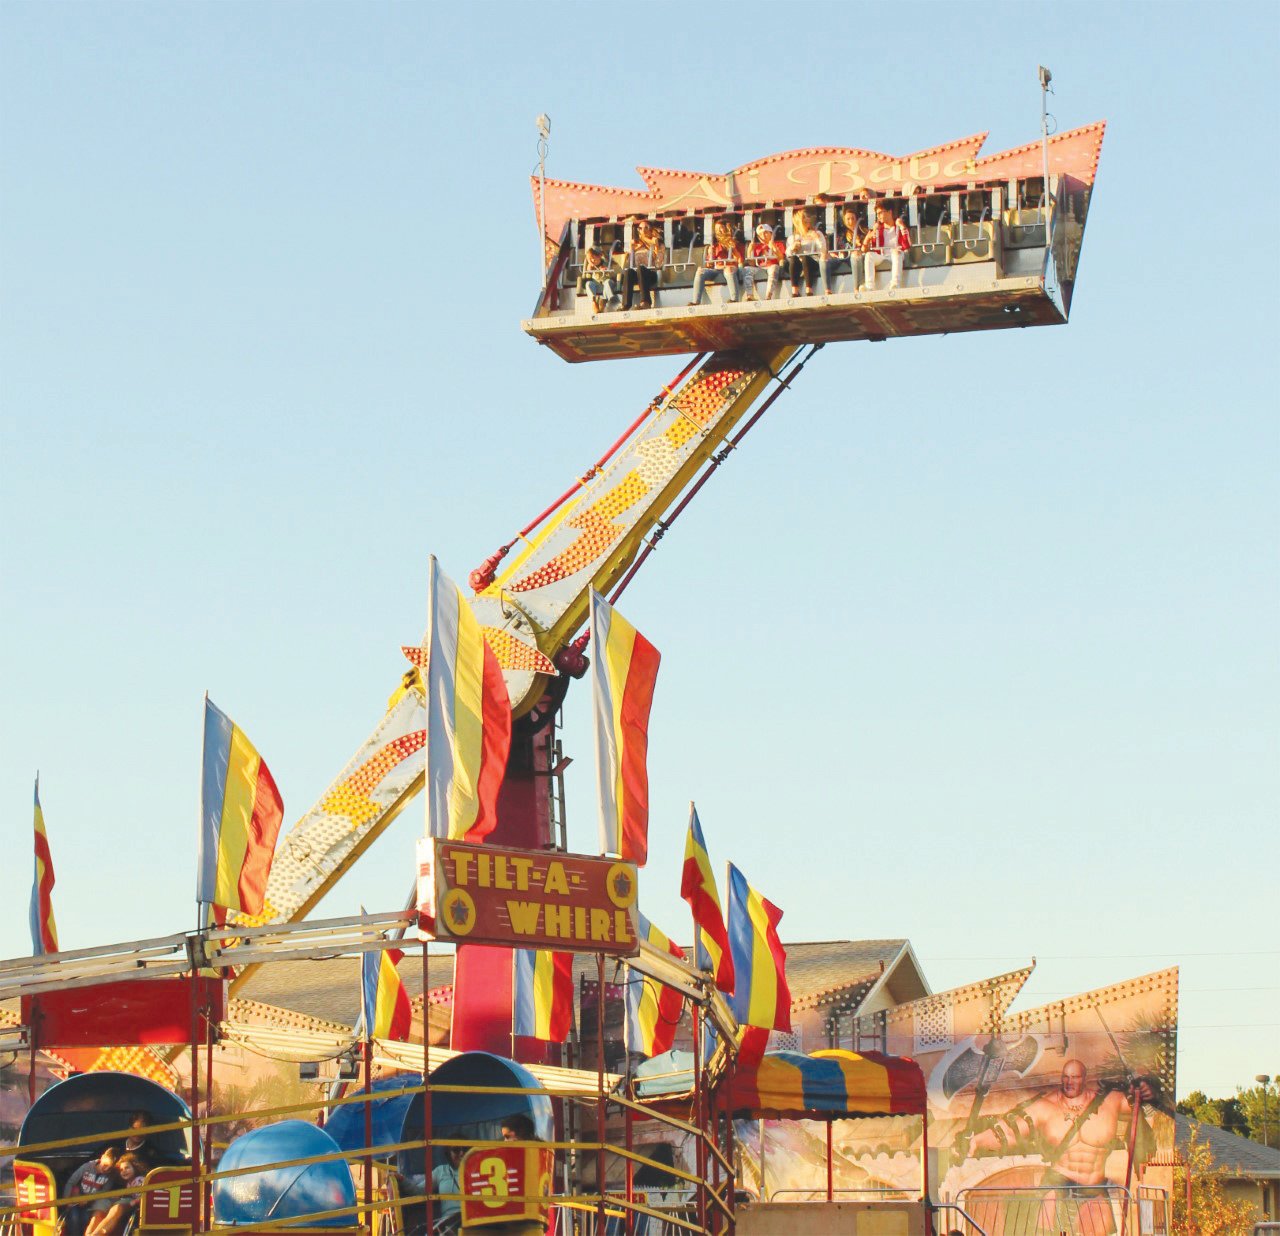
(482, 894)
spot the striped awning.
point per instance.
(827, 1085)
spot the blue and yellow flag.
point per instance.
(653, 1009)
(761, 996)
(542, 1005)
(384, 1003)
(240, 816)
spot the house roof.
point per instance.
(1237, 1156)
(327, 991)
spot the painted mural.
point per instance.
(1065, 1095)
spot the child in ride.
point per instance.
(89, 1178)
(110, 1217)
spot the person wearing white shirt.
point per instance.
(806, 253)
(885, 244)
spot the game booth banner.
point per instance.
(1053, 1096)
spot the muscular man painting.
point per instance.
(1077, 1126)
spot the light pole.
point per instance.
(544, 139)
(1265, 1080)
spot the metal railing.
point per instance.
(581, 1206)
(1081, 1210)
(971, 1226)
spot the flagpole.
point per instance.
(368, 1126)
(700, 1151)
(601, 1220)
(426, 1079)
(207, 1140)
(203, 909)
(194, 1088)
(629, 1167)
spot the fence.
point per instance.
(1078, 1210)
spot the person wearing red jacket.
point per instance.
(724, 262)
(885, 244)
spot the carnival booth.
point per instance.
(96, 1110)
(828, 1086)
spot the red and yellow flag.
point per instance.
(468, 718)
(623, 673)
(542, 1007)
(384, 1003)
(44, 931)
(653, 1009)
(698, 888)
(762, 997)
(241, 810)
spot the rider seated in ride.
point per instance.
(725, 262)
(648, 254)
(887, 242)
(769, 253)
(853, 228)
(92, 1176)
(596, 279)
(806, 251)
(111, 1216)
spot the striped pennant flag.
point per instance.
(623, 674)
(761, 997)
(698, 888)
(384, 1003)
(542, 1007)
(653, 1009)
(240, 817)
(44, 931)
(468, 718)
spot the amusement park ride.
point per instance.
(995, 244)
(992, 242)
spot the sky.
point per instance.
(974, 642)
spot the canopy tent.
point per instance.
(827, 1085)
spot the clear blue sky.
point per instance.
(975, 642)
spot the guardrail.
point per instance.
(1089, 1210)
(581, 1208)
(971, 1226)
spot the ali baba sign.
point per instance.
(483, 894)
(802, 175)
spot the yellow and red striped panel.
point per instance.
(791, 1086)
(468, 719)
(623, 675)
(44, 931)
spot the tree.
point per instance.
(1226, 1114)
(1251, 1107)
(1213, 1213)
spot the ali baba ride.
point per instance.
(994, 242)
